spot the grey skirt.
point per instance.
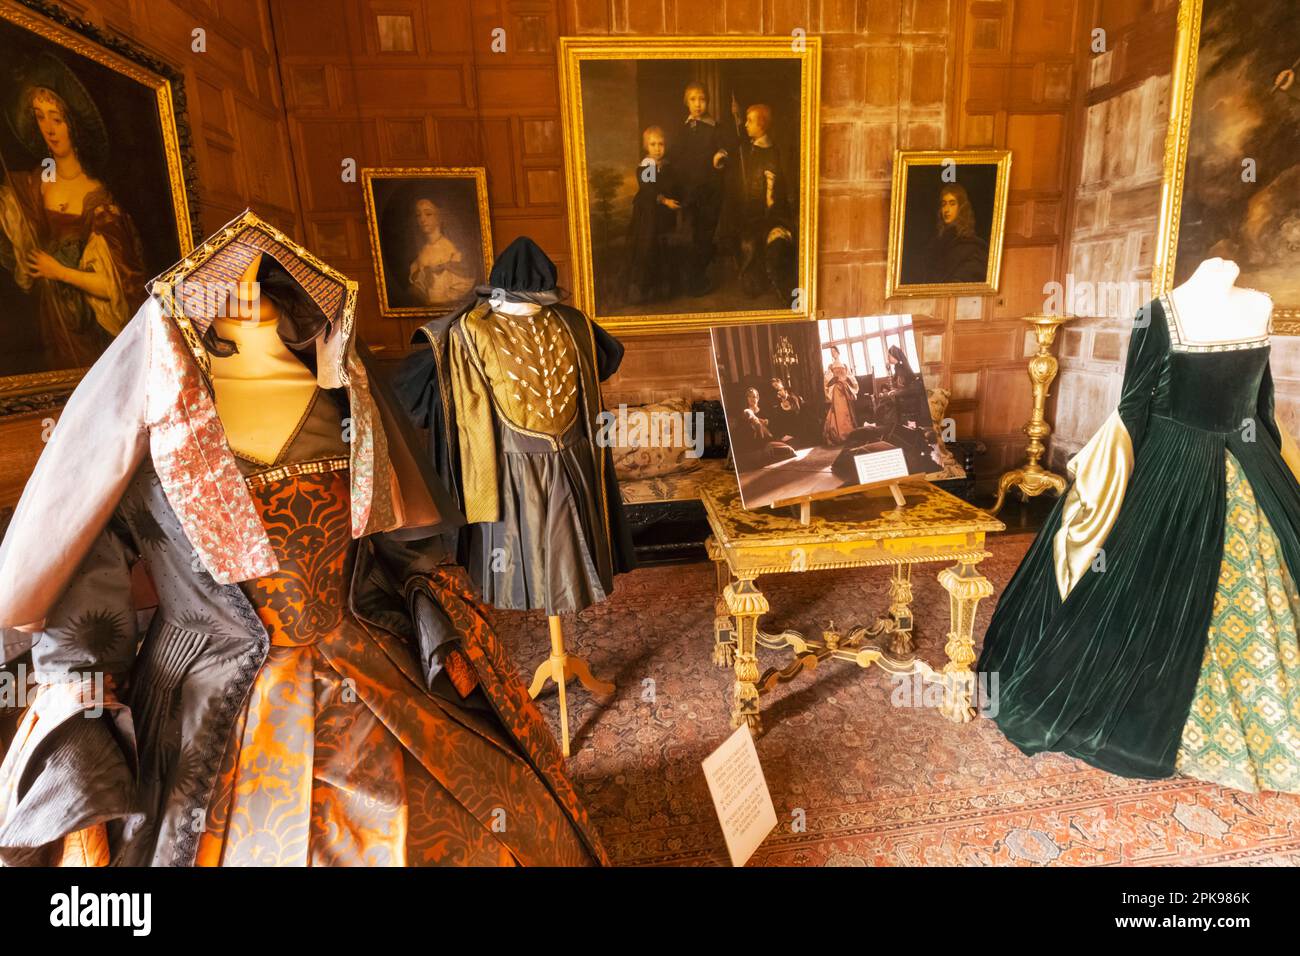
(550, 549)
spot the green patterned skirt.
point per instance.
(1243, 729)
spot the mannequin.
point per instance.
(316, 685)
(263, 391)
(1151, 628)
(1211, 309)
(509, 391)
(1209, 305)
(561, 666)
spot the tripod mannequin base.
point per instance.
(561, 667)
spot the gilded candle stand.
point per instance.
(1031, 477)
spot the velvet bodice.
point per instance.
(1211, 390)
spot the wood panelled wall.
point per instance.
(434, 93)
(1113, 234)
(1117, 201)
(240, 140)
(1018, 70)
(288, 90)
(910, 74)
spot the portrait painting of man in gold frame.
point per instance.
(947, 219)
(692, 178)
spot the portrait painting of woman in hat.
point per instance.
(64, 239)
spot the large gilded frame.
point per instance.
(906, 159)
(23, 392)
(1182, 87)
(475, 174)
(573, 51)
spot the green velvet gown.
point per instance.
(1177, 651)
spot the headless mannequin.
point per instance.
(263, 391)
(1208, 305)
(1211, 310)
(560, 666)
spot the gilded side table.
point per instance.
(857, 530)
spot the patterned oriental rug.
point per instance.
(856, 780)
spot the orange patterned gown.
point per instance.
(342, 755)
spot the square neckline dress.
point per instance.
(1175, 650)
(342, 754)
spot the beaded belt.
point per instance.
(318, 466)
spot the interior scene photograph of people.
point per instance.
(605, 433)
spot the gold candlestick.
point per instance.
(1031, 477)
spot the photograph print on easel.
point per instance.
(819, 409)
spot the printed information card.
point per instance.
(740, 795)
(878, 466)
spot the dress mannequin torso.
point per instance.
(263, 391)
(1168, 661)
(1212, 311)
(527, 356)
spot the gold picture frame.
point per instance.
(416, 180)
(915, 255)
(1255, 75)
(39, 30)
(656, 71)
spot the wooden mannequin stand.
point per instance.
(560, 667)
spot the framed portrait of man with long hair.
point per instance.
(947, 220)
(96, 194)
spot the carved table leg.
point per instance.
(724, 635)
(746, 604)
(893, 630)
(965, 587)
(899, 640)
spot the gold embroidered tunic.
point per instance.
(522, 369)
(510, 390)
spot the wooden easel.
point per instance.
(560, 667)
(805, 503)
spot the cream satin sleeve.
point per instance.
(112, 311)
(1100, 472)
(1101, 468)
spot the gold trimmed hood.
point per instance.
(150, 394)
